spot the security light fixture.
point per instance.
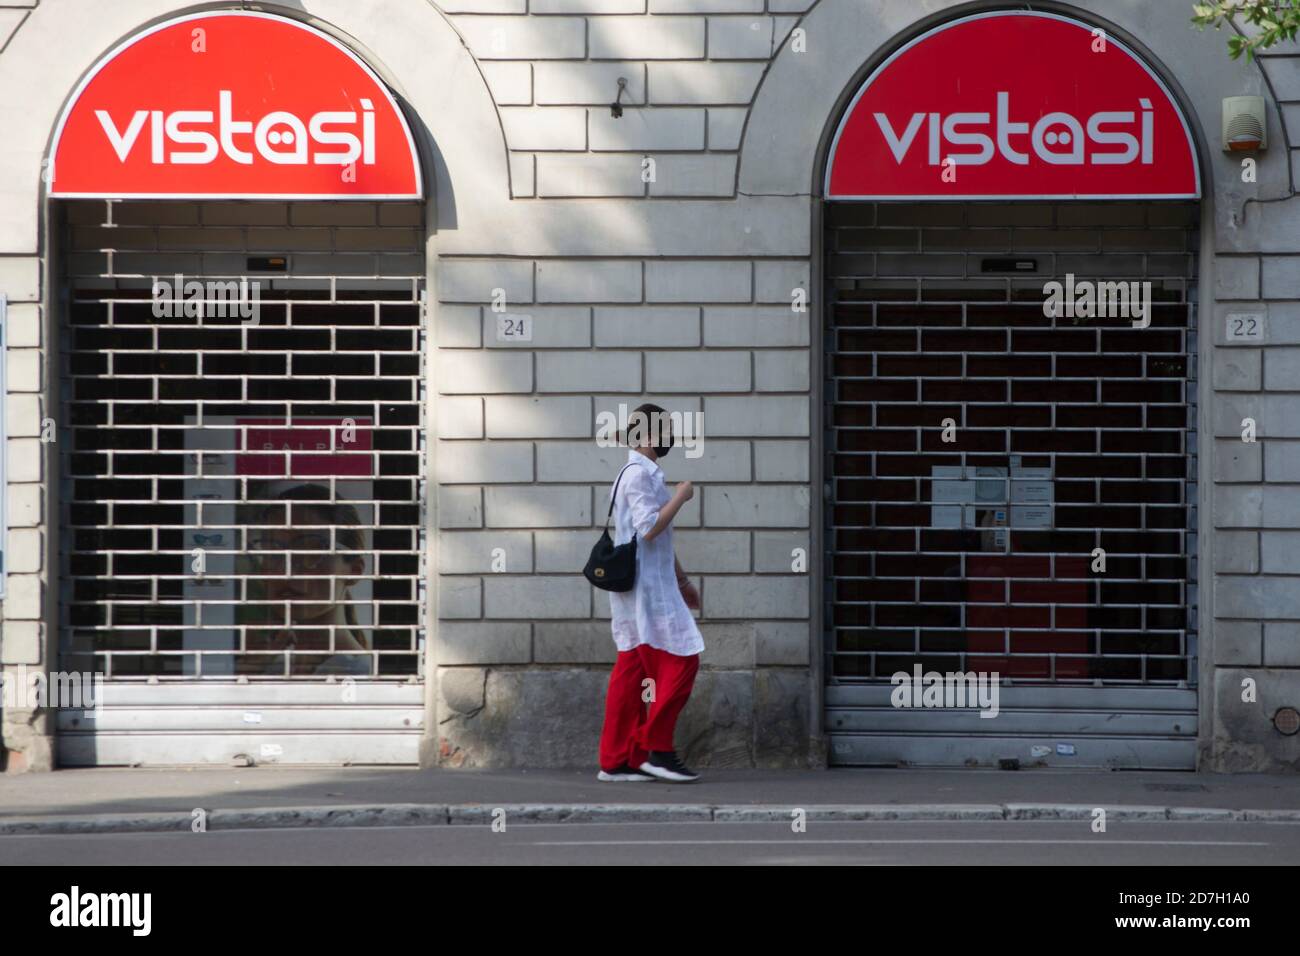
(1245, 124)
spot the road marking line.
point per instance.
(800, 841)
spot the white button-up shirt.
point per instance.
(654, 612)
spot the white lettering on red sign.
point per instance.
(1137, 140)
(269, 109)
(279, 137)
(1027, 104)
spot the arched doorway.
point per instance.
(241, 455)
(1010, 532)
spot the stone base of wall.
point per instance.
(1244, 739)
(551, 717)
(26, 744)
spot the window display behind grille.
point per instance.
(242, 477)
(975, 548)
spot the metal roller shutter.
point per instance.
(242, 513)
(1067, 434)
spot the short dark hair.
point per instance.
(642, 424)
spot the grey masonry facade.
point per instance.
(703, 290)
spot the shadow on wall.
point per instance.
(548, 711)
(531, 716)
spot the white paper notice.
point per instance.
(952, 492)
(1031, 517)
(991, 485)
(1031, 492)
(945, 516)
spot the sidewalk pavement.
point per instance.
(154, 800)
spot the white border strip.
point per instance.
(875, 74)
(120, 48)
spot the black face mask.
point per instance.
(661, 450)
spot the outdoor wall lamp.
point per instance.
(1245, 124)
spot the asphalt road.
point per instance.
(1032, 843)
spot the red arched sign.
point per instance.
(1013, 105)
(233, 105)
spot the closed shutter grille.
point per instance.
(1068, 435)
(242, 499)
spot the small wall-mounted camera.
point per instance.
(1245, 124)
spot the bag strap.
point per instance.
(614, 494)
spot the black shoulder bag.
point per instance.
(612, 568)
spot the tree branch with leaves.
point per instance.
(1273, 20)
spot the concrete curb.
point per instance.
(413, 814)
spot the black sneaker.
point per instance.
(665, 765)
(624, 774)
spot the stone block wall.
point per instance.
(657, 254)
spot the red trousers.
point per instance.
(632, 728)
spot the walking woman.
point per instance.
(658, 641)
